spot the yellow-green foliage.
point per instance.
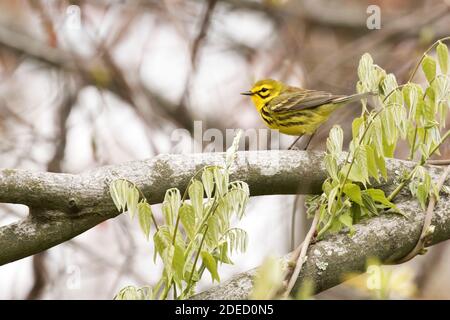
(410, 112)
(195, 229)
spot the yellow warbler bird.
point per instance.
(295, 111)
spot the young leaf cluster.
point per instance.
(409, 112)
(196, 234)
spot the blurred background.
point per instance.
(89, 83)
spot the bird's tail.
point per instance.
(354, 97)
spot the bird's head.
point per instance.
(264, 91)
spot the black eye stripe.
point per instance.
(263, 96)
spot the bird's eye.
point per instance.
(264, 89)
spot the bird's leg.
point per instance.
(309, 140)
(293, 144)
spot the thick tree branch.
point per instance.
(65, 205)
(387, 237)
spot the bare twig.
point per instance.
(54, 165)
(413, 21)
(427, 229)
(339, 255)
(203, 30)
(302, 257)
(440, 162)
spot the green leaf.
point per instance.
(424, 187)
(125, 188)
(171, 205)
(369, 74)
(443, 110)
(178, 262)
(213, 232)
(441, 89)
(221, 181)
(365, 65)
(335, 140)
(372, 163)
(357, 125)
(191, 252)
(210, 264)
(336, 225)
(167, 213)
(167, 258)
(237, 239)
(132, 200)
(428, 114)
(381, 164)
(376, 131)
(410, 96)
(356, 213)
(388, 149)
(332, 198)
(268, 279)
(442, 53)
(361, 160)
(242, 186)
(188, 220)
(239, 193)
(326, 188)
(353, 191)
(133, 293)
(360, 88)
(124, 195)
(389, 86)
(208, 181)
(400, 119)
(221, 218)
(429, 68)
(161, 240)
(331, 166)
(115, 189)
(369, 205)
(222, 253)
(355, 174)
(196, 196)
(188, 271)
(430, 93)
(422, 195)
(306, 290)
(145, 217)
(127, 293)
(379, 196)
(346, 220)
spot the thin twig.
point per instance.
(294, 211)
(302, 257)
(426, 230)
(203, 31)
(424, 55)
(440, 162)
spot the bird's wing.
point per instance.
(300, 100)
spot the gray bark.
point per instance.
(65, 205)
(387, 237)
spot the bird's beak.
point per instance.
(247, 93)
